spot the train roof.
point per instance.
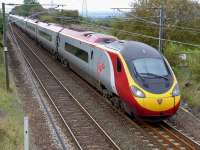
(134, 50)
(52, 27)
(89, 36)
(101, 38)
(17, 17)
(31, 21)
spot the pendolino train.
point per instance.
(132, 75)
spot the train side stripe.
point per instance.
(112, 77)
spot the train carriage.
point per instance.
(47, 34)
(31, 28)
(73, 52)
(84, 57)
(133, 75)
(18, 20)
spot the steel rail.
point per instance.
(193, 144)
(163, 138)
(32, 70)
(83, 109)
(170, 132)
(27, 64)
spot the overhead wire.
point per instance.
(144, 35)
(140, 34)
(165, 26)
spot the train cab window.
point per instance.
(119, 67)
(81, 54)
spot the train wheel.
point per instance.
(115, 102)
(105, 93)
(57, 56)
(65, 63)
(125, 108)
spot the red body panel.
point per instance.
(125, 94)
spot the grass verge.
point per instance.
(11, 115)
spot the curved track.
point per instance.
(85, 131)
(168, 137)
(84, 128)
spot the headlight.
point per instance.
(137, 92)
(176, 91)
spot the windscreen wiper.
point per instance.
(154, 75)
(137, 74)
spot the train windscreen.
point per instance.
(154, 67)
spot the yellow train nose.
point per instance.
(158, 104)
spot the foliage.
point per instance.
(60, 17)
(30, 1)
(187, 71)
(11, 118)
(27, 10)
(172, 53)
(1, 26)
(11, 115)
(46, 15)
(143, 15)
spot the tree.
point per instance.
(184, 13)
(30, 1)
(27, 10)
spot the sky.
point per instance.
(92, 5)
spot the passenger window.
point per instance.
(45, 35)
(77, 52)
(119, 67)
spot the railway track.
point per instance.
(169, 137)
(85, 131)
(160, 136)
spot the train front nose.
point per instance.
(160, 106)
(156, 105)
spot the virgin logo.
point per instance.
(159, 101)
(100, 67)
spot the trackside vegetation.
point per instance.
(34, 10)
(11, 113)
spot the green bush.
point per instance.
(172, 52)
(11, 115)
(27, 10)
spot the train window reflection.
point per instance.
(77, 52)
(150, 66)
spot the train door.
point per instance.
(123, 89)
(92, 65)
(95, 62)
(119, 76)
(91, 62)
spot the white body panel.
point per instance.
(97, 69)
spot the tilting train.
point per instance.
(132, 75)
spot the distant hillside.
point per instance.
(103, 14)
